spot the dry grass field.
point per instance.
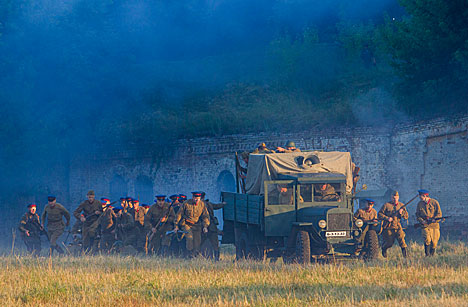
(143, 281)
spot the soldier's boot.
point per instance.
(432, 251)
(384, 252)
(403, 252)
(216, 255)
(427, 250)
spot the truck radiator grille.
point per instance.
(339, 221)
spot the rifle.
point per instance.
(94, 213)
(41, 229)
(432, 220)
(395, 213)
(159, 225)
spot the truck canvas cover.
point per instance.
(263, 167)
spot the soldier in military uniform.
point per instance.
(54, 214)
(193, 217)
(158, 221)
(367, 215)
(124, 227)
(177, 241)
(145, 208)
(289, 147)
(262, 149)
(391, 214)
(31, 229)
(428, 210)
(138, 215)
(106, 222)
(325, 192)
(212, 234)
(91, 209)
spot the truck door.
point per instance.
(280, 207)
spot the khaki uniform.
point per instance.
(55, 226)
(392, 230)
(89, 227)
(140, 233)
(290, 150)
(191, 218)
(212, 234)
(329, 194)
(430, 232)
(125, 229)
(30, 222)
(365, 215)
(152, 219)
(106, 222)
(263, 151)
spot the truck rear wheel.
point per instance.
(302, 247)
(371, 242)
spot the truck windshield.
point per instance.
(320, 192)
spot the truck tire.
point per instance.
(241, 247)
(257, 252)
(371, 241)
(302, 247)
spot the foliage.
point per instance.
(429, 49)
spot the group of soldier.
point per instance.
(428, 214)
(177, 226)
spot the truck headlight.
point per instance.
(359, 223)
(322, 224)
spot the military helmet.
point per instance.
(290, 144)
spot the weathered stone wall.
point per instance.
(431, 155)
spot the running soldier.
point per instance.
(124, 227)
(158, 221)
(193, 217)
(91, 209)
(391, 214)
(106, 222)
(54, 214)
(138, 215)
(31, 230)
(427, 213)
(212, 234)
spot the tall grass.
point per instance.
(148, 281)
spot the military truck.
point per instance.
(298, 206)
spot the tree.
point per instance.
(429, 49)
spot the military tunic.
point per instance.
(392, 230)
(153, 219)
(366, 215)
(329, 194)
(125, 228)
(430, 231)
(140, 233)
(55, 226)
(90, 225)
(106, 222)
(191, 218)
(30, 222)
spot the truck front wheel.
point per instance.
(302, 247)
(371, 243)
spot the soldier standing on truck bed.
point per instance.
(427, 213)
(31, 229)
(54, 213)
(391, 214)
(212, 234)
(289, 147)
(91, 209)
(193, 217)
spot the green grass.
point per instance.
(142, 281)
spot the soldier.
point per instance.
(262, 149)
(138, 215)
(428, 210)
(106, 222)
(91, 209)
(129, 203)
(182, 198)
(367, 215)
(290, 147)
(54, 213)
(212, 234)
(325, 192)
(158, 221)
(31, 229)
(286, 195)
(124, 227)
(177, 244)
(391, 214)
(145, 208)
(193, 217)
